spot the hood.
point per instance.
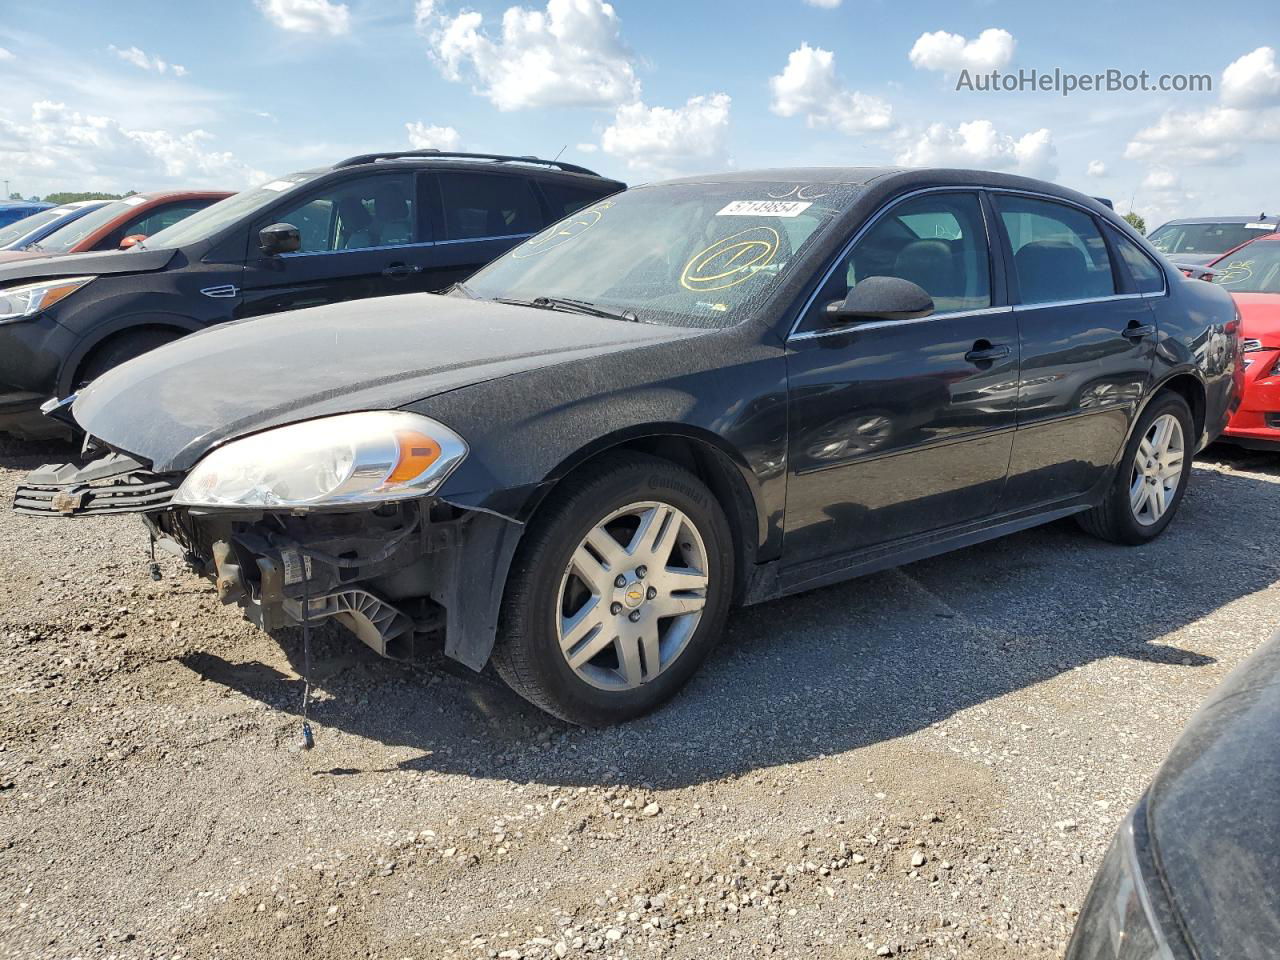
(1260, 313)
(1191, 259)
(13, 256)
(36, 266)
(172, 405)
(1214, 814)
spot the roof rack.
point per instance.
(452, 155)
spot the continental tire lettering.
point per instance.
(663, 483)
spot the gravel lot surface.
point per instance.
(926, 762)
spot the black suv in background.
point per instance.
(371, 225)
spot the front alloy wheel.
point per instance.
(632, 595)
(618, 591)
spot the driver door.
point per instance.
(903, 427)
(364, 237)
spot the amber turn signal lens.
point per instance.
(417, 452)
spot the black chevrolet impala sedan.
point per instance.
(695, 394)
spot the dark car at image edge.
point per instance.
(371, 225)
(1190, 874)
(694, 394)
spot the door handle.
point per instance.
(984, 352)
(1138, 331)
(401, 270)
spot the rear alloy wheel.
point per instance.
(1157, 470)
(1151, 478)
(618, 591)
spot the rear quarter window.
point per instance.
(564, 198)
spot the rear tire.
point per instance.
(631, 563)
(1151, 478)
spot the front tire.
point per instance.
(1152, 476)
(618, 592)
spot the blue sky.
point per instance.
(140, 95)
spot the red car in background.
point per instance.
(120, 224)
(1251, 273)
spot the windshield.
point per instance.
(64, 239)
(20, 228)
(683, 254)
(1255, 269)
(1205, 237)
(205, 223)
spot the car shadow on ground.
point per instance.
(829, 671)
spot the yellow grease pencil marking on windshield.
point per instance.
(1236, 271)
(563, 232)
(731, 260)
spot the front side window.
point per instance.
(479, 205)
(374, 211)
(1147, 277)
(212, 220)
(938, 241)
(1252, 269)
(683, 254)
(1058, 253)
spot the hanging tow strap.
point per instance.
(155, 567)
(308, 741)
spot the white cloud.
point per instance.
(1097, 168)
(1252, 80)
(666, 141)
(977, 144)
(308, 16)
(58, 148)
(1213, 136)
(828, 4)
(140, 59)
(586, 147)
(1162, 196)
(424, 137)
(809, 86)
(569, 55)
(990, 50)
(5, 55)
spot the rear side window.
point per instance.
(1058, 252)
(479, 205)
(564, 199)
(1147, 277)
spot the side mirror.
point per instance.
(881, 298)
(279, 238)
(131, 240)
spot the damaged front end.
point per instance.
(404, 576)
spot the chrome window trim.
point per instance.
(505, 236)
(956, 188)
(384, 246)
(878, 324)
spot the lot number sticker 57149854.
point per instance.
(764, 208)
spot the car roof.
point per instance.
(902, 177)
(5, 204)
(1259, 219)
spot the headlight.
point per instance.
(352, 458)
(30, 298)
(1118, 920)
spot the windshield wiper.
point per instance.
(572, 305)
